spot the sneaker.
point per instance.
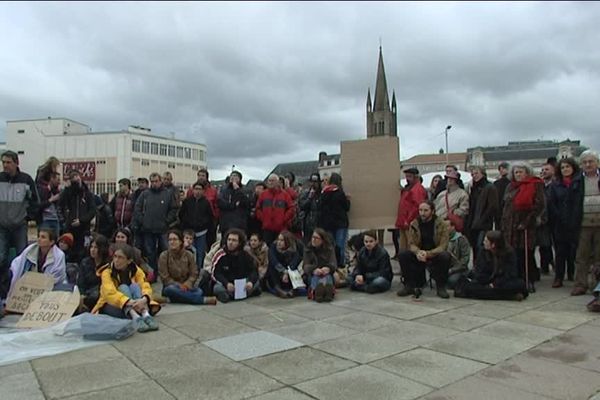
(441, 292)
(141, 326)
(405, 291)
(151, 322)
(320, 293)
(329, 293)
(210, 300)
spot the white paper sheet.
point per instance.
(240, 289)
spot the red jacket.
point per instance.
(275, 209)
(408, 206)
(211, 195)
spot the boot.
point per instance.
(441, 292)
(405, 291)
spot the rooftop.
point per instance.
(435, 158)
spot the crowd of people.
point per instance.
(221, 244)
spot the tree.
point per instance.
(441, 151)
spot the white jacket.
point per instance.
(54, 266)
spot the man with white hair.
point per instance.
(587, 211)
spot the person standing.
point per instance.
(335, 205)
(587, 210)
(483, 208)
(543, 233)
(501, 183)
(275, 210)
(234, 204)
(310, 204)
(122, 204)
(411, 196)
(196, 215)
(49, 216)
(210, 192)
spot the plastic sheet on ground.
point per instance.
(79, 332)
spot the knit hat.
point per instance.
(68, 239)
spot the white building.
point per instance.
(103, 157)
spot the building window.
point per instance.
(145, 162)
(171, 165)
(336, 161)
(179, 152)
(163, 149)
(195, 168)
(21, 131)
(195, 154)
(100, 162)
(20, 152)
(154, 148)
(135, 146)
(171, 151)
(188, 153)
(146, 147)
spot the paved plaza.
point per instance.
(358, 347)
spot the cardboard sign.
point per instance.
(27, 289)
(50, 308)
(87, 169)
(371, 176)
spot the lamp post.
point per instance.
(446, 132)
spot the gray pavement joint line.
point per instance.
(78, 395)
(145, 373)
(354, 361)
(39, 383)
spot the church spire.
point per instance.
(369, 103)
(382, 101)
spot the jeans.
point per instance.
(154, 244)
(177, 295)
(377, 285)
(200, 245)
(15, 237)
(132, 291)
(339, 238)
(316, 280)
(51, 224)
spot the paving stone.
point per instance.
(579, 347)
(274, 319)
(477, 389)
(299, 365)
(237, 309)
(315, 311)
(456, 320)
(205, 326)
(250, 345)
(82, 378)
(478, 347)
(360, 321)
(429, 367)
(19, 383)
(363, 382)
(551, 319)
(363, 347)
(77, 357)
(544, 377)
(490, 310)
(527, 333)
(232, 382)
(413, 332)
(313, 332)
(402, 309)
(171, 361)
(283, 394)
(151, 341)
(170, 309)
(147, 390)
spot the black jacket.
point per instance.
(87, 280)
(195, 214)
(155, 211)
(373, 264)
(500, 185)
(504, 274)
(334, 210)
(483, 206)
(232, 266)
(77, 202)
(235, 208)
(565, 207)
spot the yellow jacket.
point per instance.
(109, 289)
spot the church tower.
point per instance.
(381, 119)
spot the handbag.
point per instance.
(457, 221)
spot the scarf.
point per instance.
(525, 197)
(567, 180)
(330, 188)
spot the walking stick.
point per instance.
(529, 288)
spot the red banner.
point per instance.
(87, 169)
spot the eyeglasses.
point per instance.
(316, 237)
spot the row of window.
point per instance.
(171, 165)
(140, 146)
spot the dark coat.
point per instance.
(195, 214)
(373, 264)
(483, 206)
(500, 185)
(122, 208)
(155, 211)
(334, 210)
(310, 204)
(280, 261)
(503, 275)
(78, 203)
(232, 266)
(529, 220)
(234, 206)
(87, 280)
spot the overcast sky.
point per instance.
(264, 83)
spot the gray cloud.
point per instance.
(262, 83)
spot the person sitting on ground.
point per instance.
(188, 242)
(42, 256)
(460, 252)
(232, 264)
(178, 273)
(285, 253)
(124, 236)
(257, 248)
(125, 292)
(428, 241)
(373, 271)
(88, 280)
(319, 265)
(495, 276)
(65, 244)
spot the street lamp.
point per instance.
(446, 132)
